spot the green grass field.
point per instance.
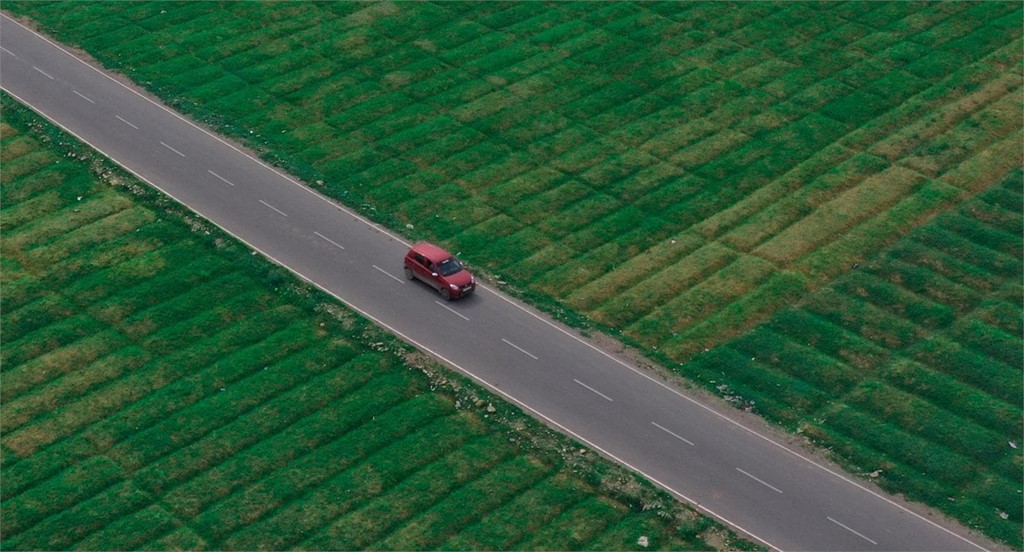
(684, 176)
(164, 389)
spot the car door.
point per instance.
(423, 270)
(430, 275)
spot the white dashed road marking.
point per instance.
(520, 349)
(455, 312)
(687, 441)
(390, 275)
(606, 397)
(43, 72)
(330, 241)
(759, 481)
(222, 179)
(2, 49)
(125, 121)
(83, 96)
(172, 149)
(282, 213)
(852, 531)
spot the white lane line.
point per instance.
(521, 350)
(468, 373)
(408, 339)
(423, 346)
(172, 149)
(83, 96)
(222, 179)
(675, 492)
(696, 504)
(455, 312)
(2, 49)
(606, 397)
(43, 72)
(852, 531)
(666, 430)
(330, 241)
(776, 489)
(390, 275)
(282, 213)
(125, 121)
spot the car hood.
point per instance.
(460, 278)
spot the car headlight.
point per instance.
(454, 287)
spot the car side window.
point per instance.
(419, 258)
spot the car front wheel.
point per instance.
(445, 294)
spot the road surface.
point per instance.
(733, 472)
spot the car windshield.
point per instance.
(449, 266)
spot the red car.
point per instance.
(440, 270)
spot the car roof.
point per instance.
(431, 251)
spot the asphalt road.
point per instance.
(731, 471)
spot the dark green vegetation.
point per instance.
(164, 389)
(683, 173)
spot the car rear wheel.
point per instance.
(408, 274)
(445, 294)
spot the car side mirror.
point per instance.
(434, 274)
